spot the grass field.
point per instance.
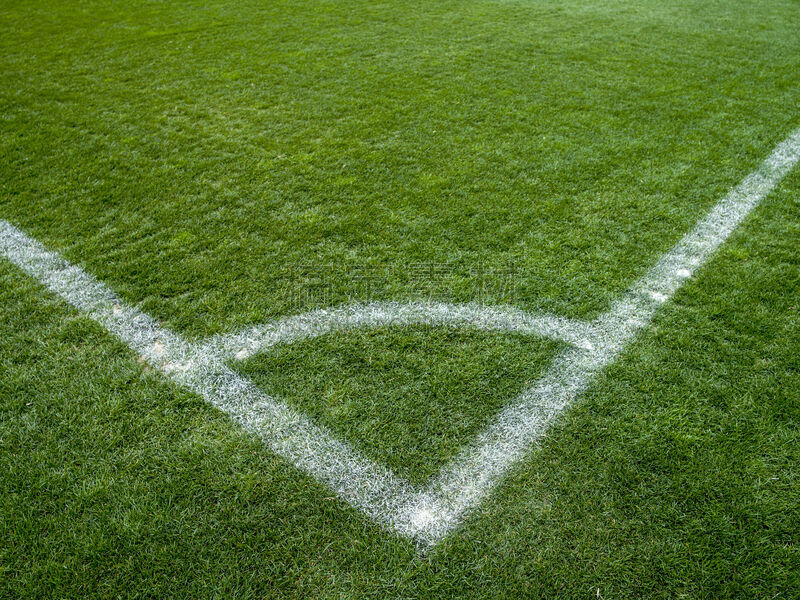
(220, 165)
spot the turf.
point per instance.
(217, 162)
(230, 144)
(409, 397)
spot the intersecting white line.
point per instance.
(368, 486)
(468, 477)
(426, 514)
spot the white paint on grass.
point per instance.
(288, 330)
(427, 513)
(370, 487)
(467, 478)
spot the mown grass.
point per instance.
(409, 397)
(571, 143)
(191, 155)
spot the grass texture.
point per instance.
(221, 164)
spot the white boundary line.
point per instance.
(368, 486)
(426, 514)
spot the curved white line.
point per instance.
(287, 330)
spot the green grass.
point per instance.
(410, 397)
(195, 157)
(569, 143)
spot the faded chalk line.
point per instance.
(424, 513)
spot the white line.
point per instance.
(469, 477)
(429, 513)
(257, 339)
(370, 487)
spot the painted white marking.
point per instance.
(370, 487)
(428, 513)
(288, 330)
(471, 475)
